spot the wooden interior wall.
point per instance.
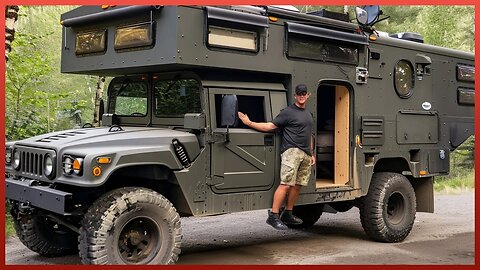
(342, 120)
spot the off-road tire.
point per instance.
(387, 212)
(309, 214)
(44, 236)
(130, 226)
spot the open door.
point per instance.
(333, 129)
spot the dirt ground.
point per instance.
(445, 237)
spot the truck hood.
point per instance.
(104, 137)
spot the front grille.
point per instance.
(31, 162)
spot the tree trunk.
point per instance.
(98, 98)
(11, 16)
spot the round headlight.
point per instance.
(67, 165)
(16, 160)
(48, 166)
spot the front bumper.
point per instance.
(47, 198)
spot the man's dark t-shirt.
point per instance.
(296, 124)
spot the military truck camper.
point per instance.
(388, 111)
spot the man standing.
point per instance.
(297, 156)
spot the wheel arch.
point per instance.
(396, 165)
(423, 187)
(157, 177)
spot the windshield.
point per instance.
(175, 98)
(129, 98)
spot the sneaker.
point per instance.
(274, 221)
(288, 218)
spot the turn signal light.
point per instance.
(103, 160)
(273, 19)
(97, 171)
(422, 172)
(76, 164)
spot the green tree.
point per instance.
(27, 69)
(39, 98)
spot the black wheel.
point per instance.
(130, 226)
(388, 211)
(43, 235)
(309, 214)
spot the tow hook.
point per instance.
(24, 208)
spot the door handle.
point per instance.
(268, 140)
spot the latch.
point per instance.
(362, 75)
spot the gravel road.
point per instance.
(445, 237)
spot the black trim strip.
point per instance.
(226, 15)
(295, 28)
(108, 15)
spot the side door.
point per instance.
(246, 162)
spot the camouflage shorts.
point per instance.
(296, 168)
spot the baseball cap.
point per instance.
(301, 88)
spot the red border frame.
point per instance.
(240, 2)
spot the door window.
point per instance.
(253, 106)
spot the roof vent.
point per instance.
(331, 15)
(408, 36)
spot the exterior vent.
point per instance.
(373, 130)
(61, 136)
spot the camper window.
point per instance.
(232, 38)
(134, 36)
(404, 78)
(322, 50)
(465, 73)
(90, 42)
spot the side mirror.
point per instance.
(229, 113)
(361, 15)
(367, 15)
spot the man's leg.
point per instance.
(302, 176)
(287, 216)
(292, 197)
(274, 215)
(288, 175)
(279, 197)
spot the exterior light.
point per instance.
(16, 160)
(103, 160)
(96, 171)
(48, 166)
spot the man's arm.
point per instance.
(260, 126)
(312, 145)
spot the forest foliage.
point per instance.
(39, 99)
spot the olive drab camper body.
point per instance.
(387, 113)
